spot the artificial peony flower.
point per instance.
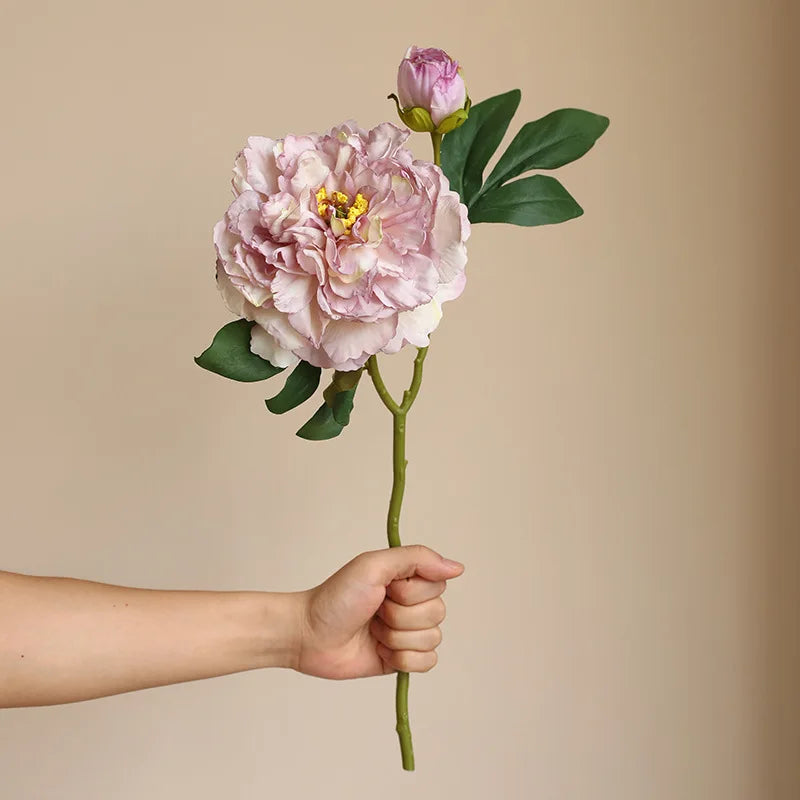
(429, 80)
(339, 246)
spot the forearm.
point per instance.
(63, 640)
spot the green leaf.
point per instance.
(343, 405)
(299, 386)
(229, 355)
(537, 200)
(467, 150)
(547, 143)
(321, 426)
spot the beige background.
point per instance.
(607, 434)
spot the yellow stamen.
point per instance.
(347, 215)
(322, 201)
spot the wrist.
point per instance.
(275, 621)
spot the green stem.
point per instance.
(380, 386)
(403, 726)
(399, 464)
(436, 140)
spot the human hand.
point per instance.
(379, 613)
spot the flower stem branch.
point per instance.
(380, 386)
(399, 464)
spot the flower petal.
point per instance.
(346, 340)
(261, 171)
(414, 327)
(264, 345)
(450, 231)
(291, 291)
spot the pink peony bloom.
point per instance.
(428, 78)
(339, 246)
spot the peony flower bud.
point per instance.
(431, 95)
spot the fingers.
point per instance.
(421, 641)
(406, 626)
(412, 618)
(381, 567)
(407, 660)
(410, 591)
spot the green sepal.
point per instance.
(342, 406)
(229, 355)
(536, 200)
(299, 387)
(321, 426)
(341, 392)
(334, 414)
(342, 381)
(417, 118)
(455, 120)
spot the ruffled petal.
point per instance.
(265, 345)
(292, 292)
(414, 327)
(345, 340)
(450, 231)
(260, 168)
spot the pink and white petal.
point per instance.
(224, 240)
(277, 324)
(311, 172)
(452, 290)
(263, 344)
(404, 293)
(231, 296)
(244, 215)
(262, 170)
(239, 181)
(292, 292)
(347, 341)
(384, 140)
(312, 261)
(310, 322)
(354, 260)
(414, 327)
(450, 230)
(293, 146)
(255, 295)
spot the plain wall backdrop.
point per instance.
(607, 433)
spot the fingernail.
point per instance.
(448, 562)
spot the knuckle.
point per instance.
(363, 562)
(388, 613)
(399, 591)
(402, 661)
(430, 663)
(437, 611)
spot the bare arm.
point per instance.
(63, 640)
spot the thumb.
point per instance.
(381, 567)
